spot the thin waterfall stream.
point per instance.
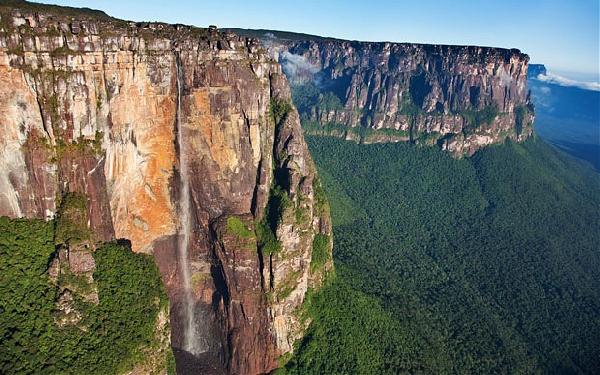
(183, 239)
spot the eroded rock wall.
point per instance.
(459, 97)
(88, 104)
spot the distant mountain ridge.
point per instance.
(535, 70)
(460, 98)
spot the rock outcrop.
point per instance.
(459, 97)
(89, 105)
(534, 70)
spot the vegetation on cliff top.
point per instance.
(481, 265)
(57, 10)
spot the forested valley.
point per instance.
(488, 264)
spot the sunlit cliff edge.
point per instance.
(88, 105)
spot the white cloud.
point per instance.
(297, 68)
(297, 65)
(269, 42)
(563, 81)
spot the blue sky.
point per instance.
(564, 35)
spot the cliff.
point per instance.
(175, 135)
(458, 97)
(535, 70)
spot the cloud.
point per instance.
(268, 41)
(563, 81)
(297, 67)
(542, 96)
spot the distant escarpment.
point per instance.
(534, 70)
(170, 132)
(458, 97)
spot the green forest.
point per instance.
(111, 336)
(488, 264)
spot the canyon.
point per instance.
(188, 143)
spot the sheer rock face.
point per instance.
(424, 93)
(88, 104)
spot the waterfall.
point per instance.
(183, 238)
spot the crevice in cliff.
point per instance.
(54, 108)
(216, 270)
(221, 298)
(261, 267)
(411, 129)
(271, 274)
(104, 81)
(47, 131)
(254, 203)
(133, 65)
(256, 213)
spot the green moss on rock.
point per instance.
(237, 227)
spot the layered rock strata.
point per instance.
(461, 98)
(88, 105)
